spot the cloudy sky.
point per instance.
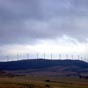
(50, 26)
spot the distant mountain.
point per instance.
(42, 63)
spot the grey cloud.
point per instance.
(28, 20)
(19, 9)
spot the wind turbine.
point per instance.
(44, 56)
(7, 58)
(72, 57)
(27, 56)
(17, 56)
(51, 56)
(37, 55)
(59, 56)
(78, 57)
(67, 56)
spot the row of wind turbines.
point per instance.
(46, 56)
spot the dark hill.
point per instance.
(43, 63)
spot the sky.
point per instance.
(43, 26)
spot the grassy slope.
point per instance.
(39, 82)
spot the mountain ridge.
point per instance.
(41, 63)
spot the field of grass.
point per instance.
(42, 82)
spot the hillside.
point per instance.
(41, 63)
(46, 67)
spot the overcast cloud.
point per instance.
(30, 21)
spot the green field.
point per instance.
(42, 82)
